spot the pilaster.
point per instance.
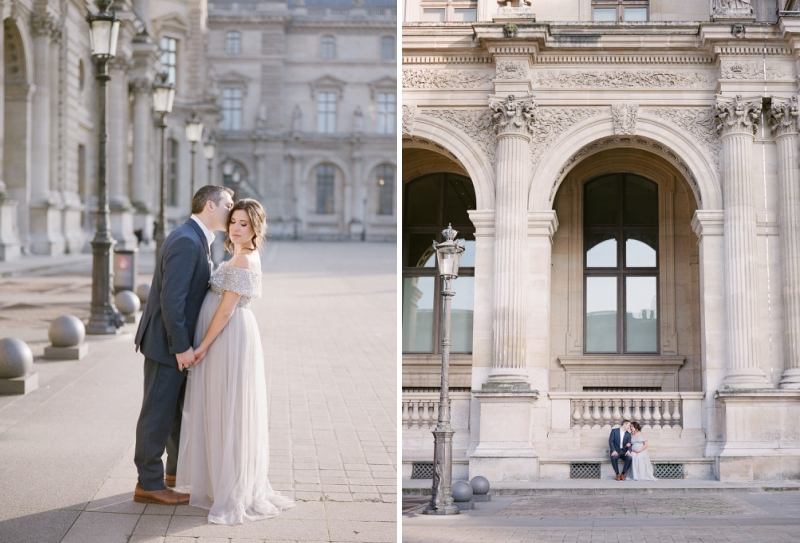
(783, 116)
(738, 120)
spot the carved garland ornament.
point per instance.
(408, 118)
(700, 122)
(737, 115)
(624, 117)
(659, 79)
(508, 69)
(782, 116)
(551, 122)
(475, 123)
(425, 78)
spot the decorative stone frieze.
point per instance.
(658, 79)
(782, 116)
(699, 122)
(737, 115)
(475, 123)
(624, 117)
(732, 9)
(408, 118)
(512, 115)
(551, 122)
(426, 78)
(43, 24)
(510, 69)
(753, 69)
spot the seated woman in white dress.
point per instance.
(224, 447)
(641, 467)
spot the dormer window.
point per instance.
(621, 10)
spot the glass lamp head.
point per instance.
(103, 31)
(209, 150)
(194, 128)
(236, 177)
(448, 253)
(163, 94)
(227, 167)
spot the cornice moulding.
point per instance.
(441, 59)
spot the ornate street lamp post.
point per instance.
(163, 96)
(209, 150)
(194, 133)
(448, 256)
(104, 319)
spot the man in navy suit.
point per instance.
(165, 337)
(619, 443)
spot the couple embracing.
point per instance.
(628, 443)
(205, 396)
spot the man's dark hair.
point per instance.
(207, 193)
(624, 421)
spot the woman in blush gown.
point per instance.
(224, 446)
(640, 465)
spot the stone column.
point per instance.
(117, 160)
(737, 122)
(354, 218)
(141, 189)
(783, 115)
(512, 120)
(45, 214)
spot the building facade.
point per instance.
(311, 136)
(624, 175)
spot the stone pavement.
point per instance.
(328, 324)
(659, 517)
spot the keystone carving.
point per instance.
(509, 69)
(513, 116)
(782, 116)
(737, 115)
(624, 116)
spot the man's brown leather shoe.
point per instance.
(166, 496)
(622, 477)
(618, 477)
(169, 480)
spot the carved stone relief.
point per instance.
(751, 69)
(475, 123)
(624, 117)
(408, 118)
(659, 79)
(700, 122)
(509, 69)
(514, 116)
(425, 78)
(737, 115)
(551, 122)
(732, 9)
(782, 116)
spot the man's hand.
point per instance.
(185, 359)
(614, 453)
(627, 454)
(199, 354)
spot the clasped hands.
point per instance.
(627, 453)
(191, 357)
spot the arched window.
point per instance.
(387, 48)
(233, 42)
(325, 189)
(385, 178)
(621, 265)
(430, 203)
(327, 47)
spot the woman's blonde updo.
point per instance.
(258, 221)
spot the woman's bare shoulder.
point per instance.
(246, 261)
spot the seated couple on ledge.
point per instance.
(627, 442)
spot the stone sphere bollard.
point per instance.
(127, 302)
(143, 292)
(16, 358)
(462, 491)
(480, 489)
(66, 331)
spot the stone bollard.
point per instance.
(462, 496)
(16, 362)
(128, 304)
(67, 334)
(143, 292)
(480, 489)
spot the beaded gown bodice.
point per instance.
(246, 283)
(637, 442)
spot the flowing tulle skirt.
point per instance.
(224, 447)
(641, 466)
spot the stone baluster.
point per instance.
(576, 413)
(656, 413)
(425, 414)
(415, 414)
(626, 412)
(665, 415)
(783, 116)
(606, 415)
(587, 415)
(646, 414)
(676, 414)
(595, 413)
(406, 415)
(616, 414)
(513, 121)
(637, 413)
(737, 122)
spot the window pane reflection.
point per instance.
(641, 315)
(418, 314)
(605, 14)
(418, 251)
(602, 251)
(640, 251)
(461, 310)
(635, 14)
(601, 314)
(602, 201)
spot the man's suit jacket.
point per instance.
(179, 286)
(613, 442)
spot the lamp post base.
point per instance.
(104, 319)
(444, 510)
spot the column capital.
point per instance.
(43, 24)
(141, 85)
(542, 223)
(782, 116)
(708, 223)
(737, 115)
(513, 115)
(483, 219)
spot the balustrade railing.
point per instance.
(421, 407)
(606, 409)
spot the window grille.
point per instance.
(387, 112)
(663, 470)
(422, 470)
(584, 470)
(326, 112)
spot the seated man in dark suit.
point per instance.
(619, 443)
